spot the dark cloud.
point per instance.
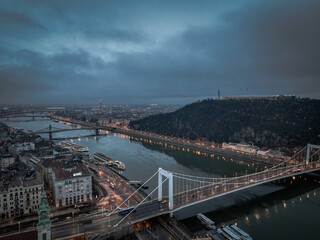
(157, 52)
(16, 18)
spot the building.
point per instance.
(72, 183)
(272, 153)
(29, 159)
(20, 190)
(241, 147)
(17, 148)
(6, 160)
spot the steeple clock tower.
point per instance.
(44, 222)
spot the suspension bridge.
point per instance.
(12, 118)
(186, 190)
(50, 130)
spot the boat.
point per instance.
(224, 234)
(75, 147)
(109, 161)
(232, 234)
(215, 235)
(119, 165)
(101, 157)
(240, 232)
(207, 222)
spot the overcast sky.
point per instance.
(134, 52)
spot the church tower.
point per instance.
(44, 222)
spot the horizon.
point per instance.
(155, 104)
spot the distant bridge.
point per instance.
(31, 118)
(50, 130)
(186, 190)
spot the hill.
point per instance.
(266, 122)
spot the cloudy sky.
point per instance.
(157, 51)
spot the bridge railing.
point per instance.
(206, 191)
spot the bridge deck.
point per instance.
(188, 198)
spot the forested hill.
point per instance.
(269, 122)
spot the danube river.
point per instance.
(291, 213)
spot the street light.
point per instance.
(19, 226)
(72, 216)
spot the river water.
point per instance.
(288, 214)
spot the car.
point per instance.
(251, 180)
(164, 201)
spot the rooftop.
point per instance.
(69, 169)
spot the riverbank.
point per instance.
(183, 143)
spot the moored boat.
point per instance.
(207, 222)
(119, 165)
(240, 232)
(109, 161)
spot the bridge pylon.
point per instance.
(309, 146)
(169, 175)
(50, 132)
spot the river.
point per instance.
(288, 214)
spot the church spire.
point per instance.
(44, 222)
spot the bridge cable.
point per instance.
(133, 193)
(134, 208)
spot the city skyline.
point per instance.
(156, 52)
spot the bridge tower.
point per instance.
(97, 131)
(33, 117)
(161, 173)
(308, 151)
(50, 132)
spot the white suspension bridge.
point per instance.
(186, 190)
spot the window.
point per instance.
(44, 236)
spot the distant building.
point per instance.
(17, 148)
(6, 160)
(72, 183)
(20, 190)
(272, 153)
(29, 159)
(241, 147)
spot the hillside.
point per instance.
(266, 122)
